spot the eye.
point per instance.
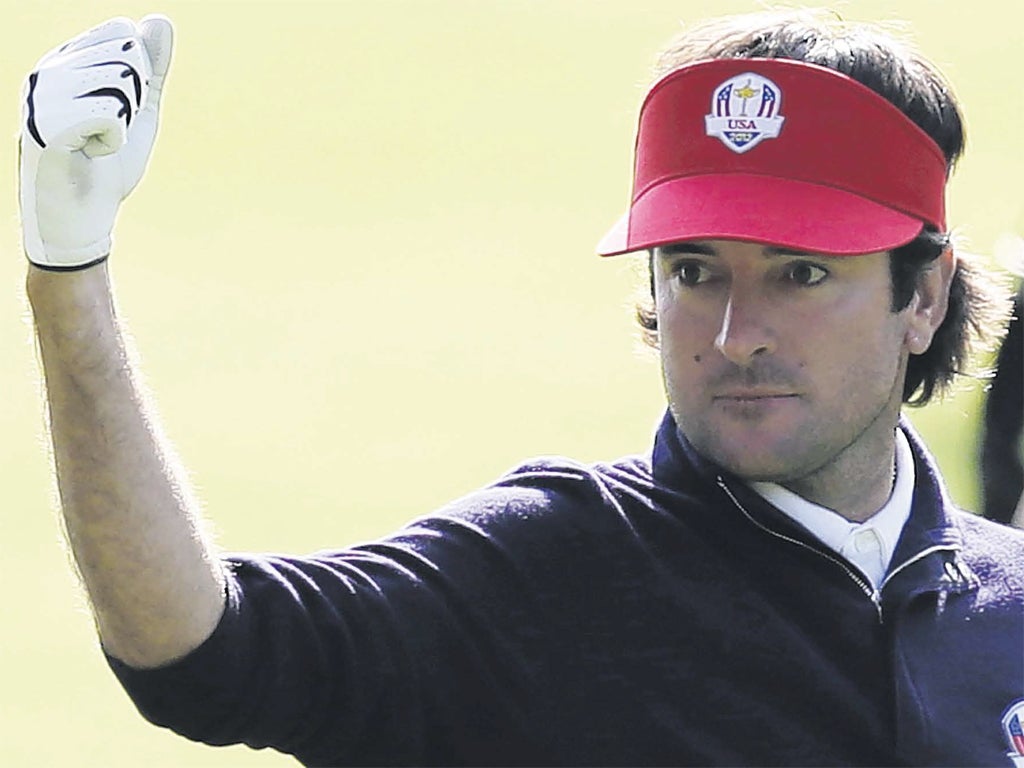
(805, 273)
(691, 273)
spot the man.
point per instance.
(782, 580)
(1002, 473)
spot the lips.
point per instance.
(751, 395)
(754, 405)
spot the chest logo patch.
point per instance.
(1013, 726)
(745, 110)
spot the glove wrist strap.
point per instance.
(70, 267)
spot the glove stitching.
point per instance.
(31, 122)
(116, 93)
(129, 72)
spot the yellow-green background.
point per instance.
(360, 276)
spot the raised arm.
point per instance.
(89, 121)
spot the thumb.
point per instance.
(158, 39)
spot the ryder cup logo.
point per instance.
(1013, 725)
(745, 111)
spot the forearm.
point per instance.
(154, 582)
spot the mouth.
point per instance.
(754, 405)
(753, 396)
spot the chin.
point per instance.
(759, 472)
(761, 466)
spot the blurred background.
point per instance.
(361, 280)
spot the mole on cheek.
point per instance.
(696, 358)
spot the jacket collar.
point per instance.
(928, 554)
(926, 558)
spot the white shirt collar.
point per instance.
(869, 545)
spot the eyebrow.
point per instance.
(702, 249)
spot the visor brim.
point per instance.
(761, 209)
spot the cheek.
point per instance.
(687, 340)
(845, 358)
(688, 357)
(862, 365)
(688, 324)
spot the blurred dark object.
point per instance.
(1001, 464)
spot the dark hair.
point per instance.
(899, 74)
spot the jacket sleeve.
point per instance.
(372, 654)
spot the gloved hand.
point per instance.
(89, 120)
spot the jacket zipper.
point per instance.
(875, 595)
(910, 561)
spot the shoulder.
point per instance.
(547, 498)
(994, 551)
(553, 483)
(565, 475)
(985, 535)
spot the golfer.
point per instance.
(780, 580)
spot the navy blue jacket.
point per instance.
(651, 611)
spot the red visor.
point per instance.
(778, 152)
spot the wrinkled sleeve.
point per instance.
(413, 649)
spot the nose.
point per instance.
(744, 334)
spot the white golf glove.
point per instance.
(89, 119)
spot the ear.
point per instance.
(927, 308)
